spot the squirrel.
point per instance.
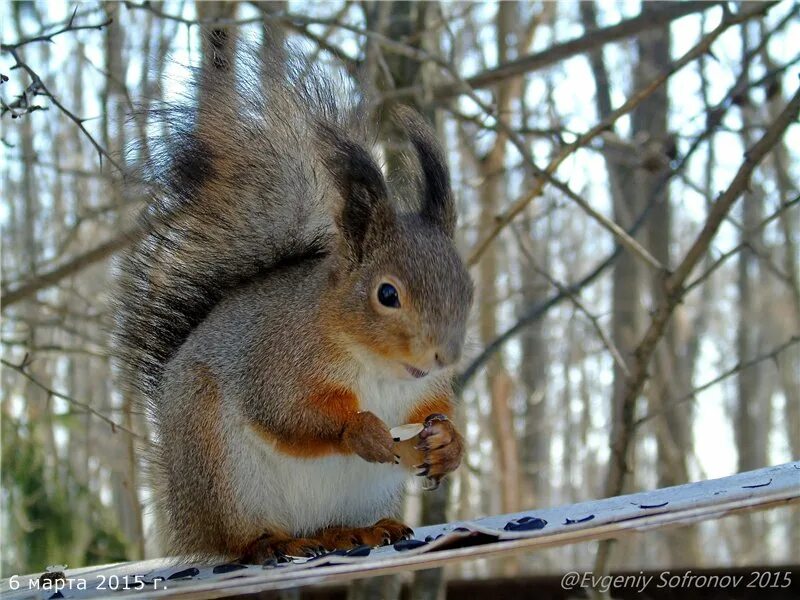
(281, 312)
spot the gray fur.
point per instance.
(256, 278)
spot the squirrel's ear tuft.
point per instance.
(220, 48)
(438, 206)
(365, 205)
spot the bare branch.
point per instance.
(675, 289)
(70, 26)
(22, 370)
(738, 248)
(565, 50)
(96, 254)
(696, 51)
(38, 87)
(548, 176)
(537, 311)
(575, 298)
(740, 366)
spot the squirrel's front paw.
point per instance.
(369, 437)
(442, 446)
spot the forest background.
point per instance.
(626, 174)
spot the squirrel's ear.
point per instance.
(438, 206)
(365, 205)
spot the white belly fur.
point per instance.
(308, 494)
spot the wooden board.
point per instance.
(447, 543)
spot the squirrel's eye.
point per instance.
(388, 296)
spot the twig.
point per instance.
(43, 280)
(70, 26)
(739, 247)
(38, 87)
(538, 310)
(740, 366)
(575, 298)
(21, 369)
(294, 21)
(55, 348)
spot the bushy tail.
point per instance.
(236, 186)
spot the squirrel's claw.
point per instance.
(443, 448)
(433, 418)
(272, 549)
(382, 533)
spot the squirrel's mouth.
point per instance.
(415, 372)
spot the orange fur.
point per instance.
(385, 531)
(207, 418)
(393, 343)
(333, 402)
(277, 544)
(440, 403)
(329, 404)
(306, 447)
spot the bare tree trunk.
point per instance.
(41, 541)
(536, 439)
(752, 407)
(626, 316)
(492, 195)
(787, 310)
(125, 470)
(672, 375)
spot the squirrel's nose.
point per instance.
(448, 354)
